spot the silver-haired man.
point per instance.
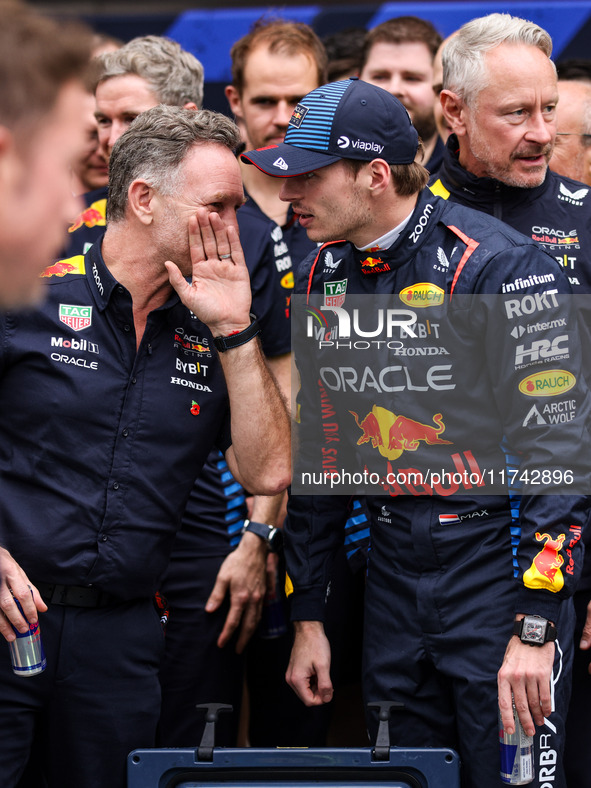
(147, 71)
(500, 97)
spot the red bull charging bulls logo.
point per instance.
(91, 217)
(75, 265)
(545, 570)
(392, 434)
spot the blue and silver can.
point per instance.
(26, 652)
(517, 754)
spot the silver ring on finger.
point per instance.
(225, 257)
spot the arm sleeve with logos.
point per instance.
(314, 528)
(535, 368)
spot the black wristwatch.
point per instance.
(268, 533)
(535, 630)
(241, 338)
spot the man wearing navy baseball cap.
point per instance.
(339, 121)
(448, 605)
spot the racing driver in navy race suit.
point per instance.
(449, 603)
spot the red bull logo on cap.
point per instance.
(298, 115)
(423, 294)
(392, 434)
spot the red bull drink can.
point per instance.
(517, 754)
(26, 652)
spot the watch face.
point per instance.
(534, 630)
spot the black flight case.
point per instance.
(381, 766)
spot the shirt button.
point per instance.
(104, 537)
(134, 380)
(115, 485)
(127, 327)
(125, 432)
(120, 289)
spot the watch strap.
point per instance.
(271, 535)
(260, 529)
(239, 338)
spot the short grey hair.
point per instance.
(587, 124)
(174, 75)
(585, 115)
(154, 147)
(464, 70)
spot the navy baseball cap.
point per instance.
(350, 119)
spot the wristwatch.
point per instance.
(534, 630)
(268, 533)
(239, 338)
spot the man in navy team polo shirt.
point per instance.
(112, 395)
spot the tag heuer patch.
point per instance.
(76, 317)
(334, 293)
